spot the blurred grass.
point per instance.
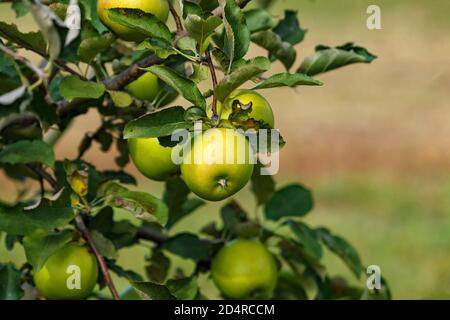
(373, 143)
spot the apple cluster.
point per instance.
(243, 268)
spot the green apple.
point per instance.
(245, 269)
(130, 293)
(70, 273)
(218, 164)
(152, 159)
(159, 8)
(261, 110)
(146, 87)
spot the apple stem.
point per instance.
(101, 261)
(212, 70)
(176, 17)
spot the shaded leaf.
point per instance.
(158, 124)
(291, 200)
(237, 34)
(307, 238)
(287, 80)
(187, 88)
(189, 246)
(263, 186)
(273, 43)
(258, 19)
(40, 245)
(143, 205)
(90, 14)
(243, 73)
(73, 87)
(30, 39)
(201, 29)
(10, 287)
(141, 22)
(28, 151)
(289, 28)
(183, 289)
(90, 47)
(104, 245)
(162, 48)
(152, 290)
(176, 198)
(159, 266)
(343, 249)
(15, 220)
(19, 8)
(327, 58)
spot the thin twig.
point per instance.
(101, 261)
(41, 185)
(176, 17)
(46, 176)
(58, 62)
(151, 234)
(214, 80)
(114, 83)
(23, 60)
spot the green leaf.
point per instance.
(158, 124)
(19, 8)
(90, 14)
(188, 43)
(290, 201)
(176, 198)
(28, 151)
(121, 272)
(343, 249)
(104, 245)
(287, 80)
(31, 39)
(73, 87)
(159, 266)
(289, 28)
(90, 47)
(190, 7)
(40, 245)
(152, 290)
(232, 215)
(326, 58)
(237, 34)
(187, 88)
(10, 287)
(263, 186)
(143, 205)
(307, 238)
(141, 22)
(16, 220)
(242, 74)
(120, 99)
(162, 48)
(199, 73)
(273, 43)
(183, 289)
(201, 29)
(189, 246)
(258, 19)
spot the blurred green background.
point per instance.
(373, 142)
